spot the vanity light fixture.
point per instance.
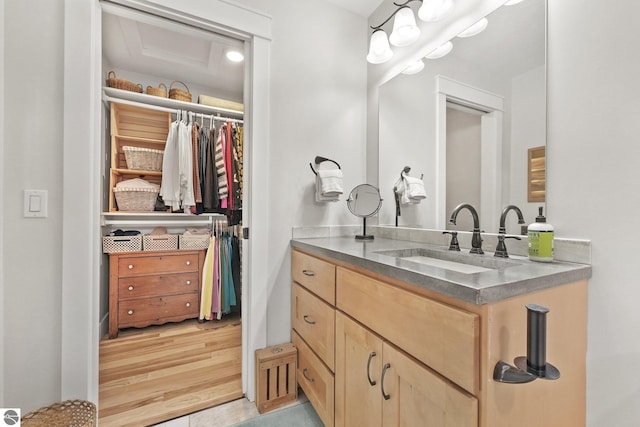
(475, 29)
(405, 31)
(434, 10)
(440, 51)
(414, 68)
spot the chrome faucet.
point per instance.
(476, 240)
(501, 249)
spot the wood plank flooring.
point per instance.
(157, 373)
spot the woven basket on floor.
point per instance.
(179, 94)
(122, 83)
(70, 413)
(160, 91)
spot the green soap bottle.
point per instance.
(540, 236)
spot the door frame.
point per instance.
(83, 174)
(490, 147)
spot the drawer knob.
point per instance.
(309, 273)
(130, 266)
(130, 312)
(371, 356)
(306, 319)
(188, 304)
(188, 282)
(188, 262)
(130, 287)
(304, 372)
(384, 372)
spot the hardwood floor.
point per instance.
(154, 374)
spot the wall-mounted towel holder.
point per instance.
(320, 159)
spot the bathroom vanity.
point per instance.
(392, 332)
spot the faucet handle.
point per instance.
(454, 245)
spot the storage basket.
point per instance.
(161, 90)
(136, 195)
(159, 242)
(276, 376)
(194, 241)
(179, 94)
(122, 83)
(140, 158)
(76, 413)
(111, 244)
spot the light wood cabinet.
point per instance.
(152, 288)
(432, 356)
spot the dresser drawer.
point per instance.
(157, 285)
(443, 337)
(157, 309)
(139, 265)
(314, 320)
(316, 381)
(314, 274)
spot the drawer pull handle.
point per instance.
(188, 282)
(371, 356)
(384, 371)
(130, 287)
(306, 319)
(188, 304)
(309, 273)
(304, 373)
(130, 266)
(188, 262)
(130, 312)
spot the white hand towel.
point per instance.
(328, 185)
(413, 190)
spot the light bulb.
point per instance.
(405, 30)
(434, 10)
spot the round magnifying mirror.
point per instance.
(364, 201)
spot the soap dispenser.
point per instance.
(540, 235)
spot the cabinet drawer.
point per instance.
(316, 381)
(144, 265)
(158, 309)
(444, 338)
(314, 320)
(157, 285)
(314, 274)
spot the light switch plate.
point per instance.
(35, 203)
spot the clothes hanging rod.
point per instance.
(216, 116)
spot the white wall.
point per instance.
(32, 145)
(318, 97)
(593, 176)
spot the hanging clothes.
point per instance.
(177, 167)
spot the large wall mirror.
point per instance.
(467, 121)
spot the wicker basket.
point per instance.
(135, 199)
(194, 241)
(179, 94)
(140, 158)
(122, 84)
(111, 244)
(70, 413)
(161, 90)
(159, 242)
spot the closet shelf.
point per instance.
(122, 219)
(136, 139)
(136, 172)
(117, 95)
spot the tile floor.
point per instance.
(222, 415)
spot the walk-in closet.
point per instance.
(173, 267)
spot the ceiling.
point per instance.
(361, 7)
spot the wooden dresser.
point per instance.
(153, 287)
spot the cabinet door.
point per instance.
(358, 366)
(415, 396)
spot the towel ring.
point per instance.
(320, 159)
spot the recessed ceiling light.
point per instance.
(234, 56)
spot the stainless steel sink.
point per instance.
(460, 262)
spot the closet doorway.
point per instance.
(175, 360)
